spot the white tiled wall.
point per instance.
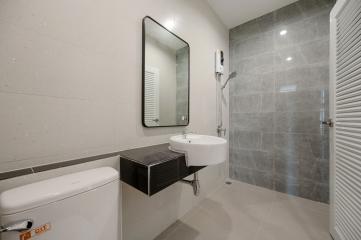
(70, 87)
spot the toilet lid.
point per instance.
(40, 193)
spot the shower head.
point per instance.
(232, 75)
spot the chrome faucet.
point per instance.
(221, 131)
(185, 133)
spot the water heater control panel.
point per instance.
(219, 62)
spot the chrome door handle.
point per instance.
(329, 123)
(17, 226)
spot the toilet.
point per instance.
(79, 206)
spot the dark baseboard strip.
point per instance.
(16, 173)
(51, 166)
(151, 155)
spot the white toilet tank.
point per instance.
(80, 206)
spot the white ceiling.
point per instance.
(236, 12)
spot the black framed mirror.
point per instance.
(165, 71)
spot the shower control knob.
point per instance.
(329, 123)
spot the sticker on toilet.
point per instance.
(35, 232)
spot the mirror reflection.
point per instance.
(165, 77)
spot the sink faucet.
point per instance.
(221, 131)
(185, 133)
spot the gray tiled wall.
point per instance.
(279, 98)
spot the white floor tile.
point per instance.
(242, 211)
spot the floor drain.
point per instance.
(228, 182)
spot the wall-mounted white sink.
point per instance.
(200, 150)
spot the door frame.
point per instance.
(340, 4)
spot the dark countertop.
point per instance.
(151, 155)
(154, 168)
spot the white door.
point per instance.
(151, 96)
(345, 109)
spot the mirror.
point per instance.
(165, 77)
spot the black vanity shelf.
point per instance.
(151, 169)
